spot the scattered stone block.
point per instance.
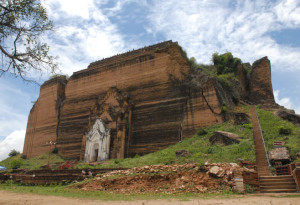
(240, 118)
(224, 138)
(216, 171)
(289, 116)
(182, 153)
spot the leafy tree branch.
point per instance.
(22, 26)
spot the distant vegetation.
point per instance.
(59, 76)
(18, 161)
(225, 63)
(13, 153)
(222, 64)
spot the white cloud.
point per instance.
(288, 12)
(297, 110)
(77, 7)
(83, 34)
(286, 102)
(242, 27)
(15, 140)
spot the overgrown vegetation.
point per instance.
(225, 63)
(222, 71)
(54, 150)
(59, 76)
(13, 153)
(18, 161)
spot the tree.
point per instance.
(13, 153)
(22, 26)
(225, 63)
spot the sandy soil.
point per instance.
(32, 199)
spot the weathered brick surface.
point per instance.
(260, 82)
(145, 112)
(242, 76)
(43, 118)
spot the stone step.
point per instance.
(277, 184)
(281, 186)
(279, 191)
(289, 181)
(276, 177)
(260, 152)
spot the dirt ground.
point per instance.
(32, 199)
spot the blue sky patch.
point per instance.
(287, 37)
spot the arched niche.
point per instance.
(115, 111)
(97, 142)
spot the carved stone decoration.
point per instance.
(97, 142)
(114, 109)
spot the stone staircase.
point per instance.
(277, 184)
(262, 161)
(268, 183)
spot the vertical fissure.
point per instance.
(210, 108)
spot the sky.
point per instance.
(89, 30)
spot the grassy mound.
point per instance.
(32, 163)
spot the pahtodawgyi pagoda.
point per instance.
(135, 103)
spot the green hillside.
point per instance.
(201, 150)
(198, 146)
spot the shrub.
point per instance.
(285, 131)
(225, 63)
(54, 150)
(13, 153)
(23, 156)
(59, 76)
(223, 109)
(15, 164)
(201, 131)
(249, 189)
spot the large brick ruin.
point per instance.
(133, 103)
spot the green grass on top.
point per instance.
(32, 163)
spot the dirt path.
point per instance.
(32, 199)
